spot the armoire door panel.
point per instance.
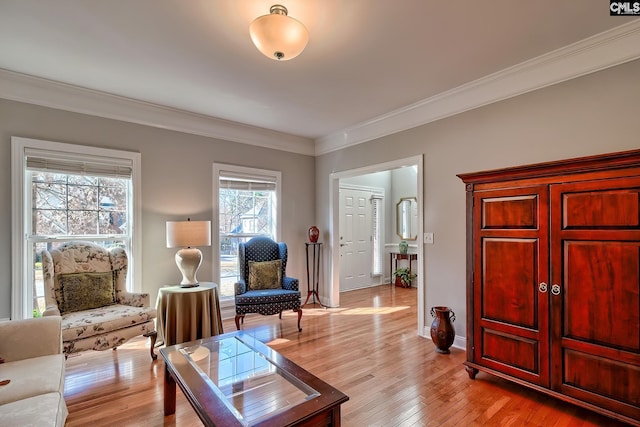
(582, 347)
(601, 301)
(519, 212)
(615, 380)
(511, 313)
(595, 260)
(510, 281)
(601, 209)
(511, 350)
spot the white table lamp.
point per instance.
(187, 235)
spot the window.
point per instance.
(376, 233)
(247, 206)
(66, 192)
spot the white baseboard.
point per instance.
(459, 342)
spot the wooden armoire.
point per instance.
(553, 279)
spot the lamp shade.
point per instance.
(188, 234)
(279, 36)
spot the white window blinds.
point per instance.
(376, 232)
(244, 181)
(77, 164)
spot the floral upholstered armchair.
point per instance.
(263, 286)
(86, 284)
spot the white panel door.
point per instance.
(355, 239)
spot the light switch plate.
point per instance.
(428, 238)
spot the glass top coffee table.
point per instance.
(236, 380)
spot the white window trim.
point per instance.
(21, 294)
(227, 302)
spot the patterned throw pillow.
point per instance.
(84, 291)
(265, 275)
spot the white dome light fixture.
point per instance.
(277, 35)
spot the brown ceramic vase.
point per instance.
(442, 331)
(314, 233)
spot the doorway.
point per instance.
(334, 202)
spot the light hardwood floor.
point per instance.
(368, 349)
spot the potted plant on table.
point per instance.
(404, 277)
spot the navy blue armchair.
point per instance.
(264, 287)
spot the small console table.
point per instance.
(313, 273)
(394, 257)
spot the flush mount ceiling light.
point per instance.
(277, 35)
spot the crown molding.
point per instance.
(604, 50)
(48, 93)
(608, 49)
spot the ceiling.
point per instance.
(365, 58)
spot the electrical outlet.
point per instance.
(428, 238)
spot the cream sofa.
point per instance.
(34, 365)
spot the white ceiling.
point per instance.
(365, 58)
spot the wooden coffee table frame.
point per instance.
(212, 410)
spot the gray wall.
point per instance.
(585, 116)
(376, 179)
(176, 183)
(593, 114)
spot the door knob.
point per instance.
(555, 289)
(542, 287)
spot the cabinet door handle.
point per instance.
(555, 289)
(542, 287)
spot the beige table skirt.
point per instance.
(187, 314)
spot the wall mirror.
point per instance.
(407, 218)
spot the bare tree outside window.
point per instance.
(243, 214)
(76, 207)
